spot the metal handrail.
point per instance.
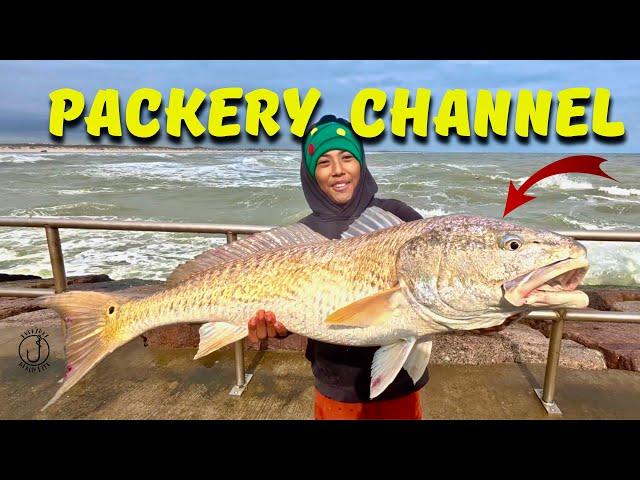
(594, 235)
(131, 225)
(587, 316)
(52, 226)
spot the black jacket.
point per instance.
(344, 373)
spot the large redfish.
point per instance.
(386, 283)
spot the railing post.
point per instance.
(242, 378)
(57, 261)
(553, 359)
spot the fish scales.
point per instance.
(303, 284)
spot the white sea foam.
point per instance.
(155, 154)
(613, 199)
(582, 224)
(457, 167)
(6, 255)
(614, 263)
(498, 177)
(87, 191)
(22, 158)
(434, 212)
(625, 192)
(234, 172)
(121, 254)
(563, 182)
(156, 183)
(85, 209)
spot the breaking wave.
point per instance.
(436, 212)
(625, 192)
(263, 188)
(22, 158)
(563, 182)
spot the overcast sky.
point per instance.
(25, 88)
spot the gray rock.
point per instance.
(14, 306)
(531, 346)
(185, 335)
(602, 297)
(518, 343)
(10, 306)
(5, 277)
(40, 318)
(133, 286)
(619, 342)
(471, 349)
(628, 306)
(48, 282)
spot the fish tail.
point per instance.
(85, 315)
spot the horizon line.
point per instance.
(199, 148)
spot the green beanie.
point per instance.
(330, 136)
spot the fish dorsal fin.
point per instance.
(215, 335)
(295, 234)
(387, 362)
(371, 220)
(373, 310)
(418, 360)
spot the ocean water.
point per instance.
(262, 188)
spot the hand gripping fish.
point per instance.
(384, 283)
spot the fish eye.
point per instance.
(511, 242)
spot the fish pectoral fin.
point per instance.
(387, 362)
(215, 335)
(373, 310)
(418, 360)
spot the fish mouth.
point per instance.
(553, 285)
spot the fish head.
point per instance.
(469, 272)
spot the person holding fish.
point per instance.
(367, 281)
(338, 188)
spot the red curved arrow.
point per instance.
(576, 164)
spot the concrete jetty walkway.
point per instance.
(137, 382)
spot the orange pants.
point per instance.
(403, 408)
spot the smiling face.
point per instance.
(338, 174)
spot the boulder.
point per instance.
(518, 343)
(49, 283)
(631, 306)
(5, 277)
(531, 346)
(187, 336)
(11, 306)
(174, 336)
(134, 287)
(471, 349)
(603, 297)
(40, 318)
(618, 342)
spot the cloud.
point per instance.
(25, 86)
